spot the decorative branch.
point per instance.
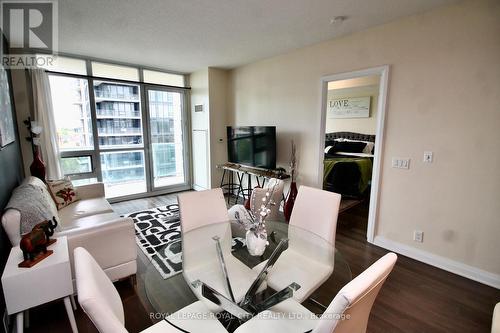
(293, 162)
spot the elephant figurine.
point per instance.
(48, 227)
(33, 243)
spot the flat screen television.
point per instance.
(253, 146)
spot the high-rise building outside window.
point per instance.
(132, 145)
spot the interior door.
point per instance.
(167, 138)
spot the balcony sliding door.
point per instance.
(120, 136)
(167, 137)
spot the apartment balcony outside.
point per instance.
(119, 141)
(123, 173)
(111, 114)
(116, 91)
(112, 131)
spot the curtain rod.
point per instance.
(99, 78)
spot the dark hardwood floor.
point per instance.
(415, 298)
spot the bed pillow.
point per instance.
(346, 147)
(368, 148)
(330, 143)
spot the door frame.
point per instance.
(383, 71)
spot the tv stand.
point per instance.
(260, 175)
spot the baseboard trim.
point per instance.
(198, 188)
(470, 272)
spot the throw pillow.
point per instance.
(63, 192)
(346, 147)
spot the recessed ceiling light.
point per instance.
(337, 19)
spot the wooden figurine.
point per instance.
(48, 227)
(34, 244)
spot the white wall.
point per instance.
(443, 96)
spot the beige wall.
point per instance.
(209, 87)
(200, 142)
(443, 96)
(359, 125)
(218, 87)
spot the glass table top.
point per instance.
(171, 294)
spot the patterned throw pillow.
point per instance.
(62, 192)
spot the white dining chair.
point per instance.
(304, 263)
(347, 313)
(495, 323)
(101, 302)
(200, 258)
(258, 193)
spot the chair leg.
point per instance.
(317, 303)
(73, 303)
(27, 318)
(71, 316)
(20, 322)
(133, 280)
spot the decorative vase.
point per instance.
(290, 200)
(256, 242)
(37, 168)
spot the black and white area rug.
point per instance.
(158, 234)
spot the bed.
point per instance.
(348, 163)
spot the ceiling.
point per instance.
(192, 34)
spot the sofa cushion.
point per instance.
(82, 224)
(84, 208)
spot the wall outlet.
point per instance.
(418, 236)
(400, 163)
(428, 156)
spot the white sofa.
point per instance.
(92, 224)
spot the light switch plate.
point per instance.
(418, 236)
(428, 156)
(400, 163)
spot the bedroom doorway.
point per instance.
(351, 136)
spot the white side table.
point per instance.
(48, 280)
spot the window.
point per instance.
(106, 139)
(165, 124)
(123, 173)
(167, 79)
(119, 121)
(70, 100)
(76, 165)
(67, 65)
(100, 69)
(119, 127)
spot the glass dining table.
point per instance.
(166, 296)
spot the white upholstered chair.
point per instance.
(256, 198)
(199, 256)
(100, 300)
(315, 211)
(495, 324)
(347, 313)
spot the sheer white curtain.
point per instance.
(44, 116)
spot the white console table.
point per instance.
(48, 280)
